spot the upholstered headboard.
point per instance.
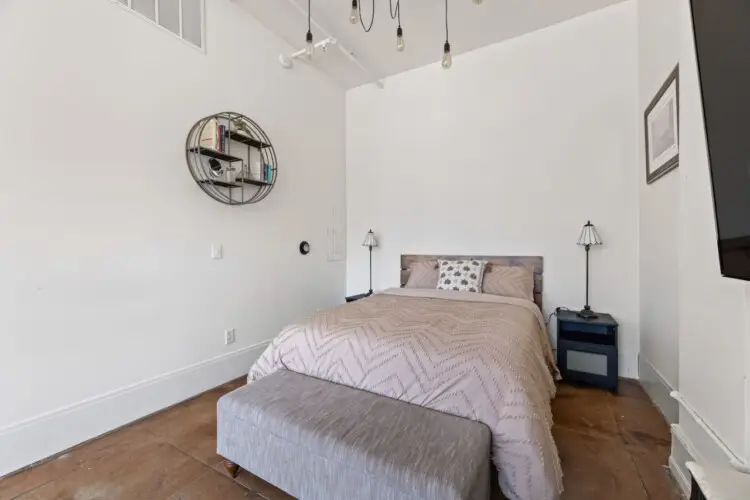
(536, 264)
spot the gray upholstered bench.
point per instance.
(319, 440)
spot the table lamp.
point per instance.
(370, 242)
(589, 237)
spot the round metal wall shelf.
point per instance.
(231, 158)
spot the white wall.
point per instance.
(658, 211)
(509, 152)
(713, 326)
(108, 297)
(695, 329)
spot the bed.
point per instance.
(479, 356)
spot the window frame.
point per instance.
(127, 5)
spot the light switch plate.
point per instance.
(217, 251)
(229, 336)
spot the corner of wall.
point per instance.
(658, 389)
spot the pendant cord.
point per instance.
(309, 14)
(446, 20)
(396, 13)
(372, 19)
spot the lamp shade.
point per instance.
(370, 240)
(589, 236)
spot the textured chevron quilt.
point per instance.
(478, 356)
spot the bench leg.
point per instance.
(232, 468)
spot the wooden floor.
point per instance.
(612, 447)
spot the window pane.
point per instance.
(191, 21)
(169, 15)
(145, 7)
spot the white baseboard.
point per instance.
(37, 438)
(682, 452)
(658, 389)
(677, 472)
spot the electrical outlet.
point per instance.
(229, 336)
(217, 251)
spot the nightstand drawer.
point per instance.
(576, 335)
(567, 326)
(590, 363)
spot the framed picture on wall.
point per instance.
(662, 129)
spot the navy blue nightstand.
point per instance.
(587, 349)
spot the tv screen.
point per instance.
(722, 42)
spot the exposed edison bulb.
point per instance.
(447, 59)
(309, 46)
(478, 2)
(353, 15)
(400, 43)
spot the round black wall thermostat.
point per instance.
(304, 248)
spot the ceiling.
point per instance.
(423, 21)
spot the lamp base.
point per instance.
(587, 313)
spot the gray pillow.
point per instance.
(509, 282)
(423, 275)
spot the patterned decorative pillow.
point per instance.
(423, 275)
(461, 275)
(509, 282)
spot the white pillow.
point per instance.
(461, 275)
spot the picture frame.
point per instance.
(661, 125)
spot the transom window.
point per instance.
(183, 18)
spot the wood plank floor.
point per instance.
(613, 447)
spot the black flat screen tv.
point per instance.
(722, 44)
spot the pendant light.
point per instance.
(309, 45)
(400, 43)
(447, 59)
(354, 14)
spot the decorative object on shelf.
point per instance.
(231, 158)
(587, 349)
(371, 242)
(304, 248)
(356, 13)
(662, 129)
(215, 168)
(589, 237)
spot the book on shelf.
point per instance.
(222, 138)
